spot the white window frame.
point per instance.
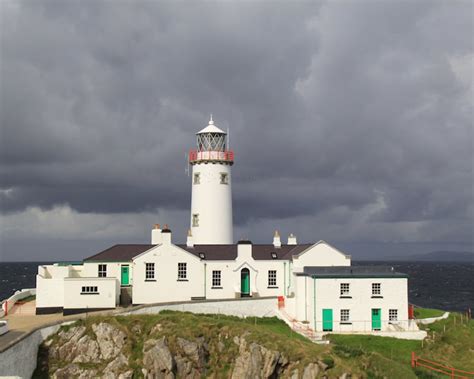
(272, 278)
(197, 178)
(224, 178)
(344, 289)
(195, 220)
(89, 290)
(393, 315)
(102, 270)
(345, 315)
(216, 279)
(376, 289)
(149, 271)
(182, 271)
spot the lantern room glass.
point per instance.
(211, 142)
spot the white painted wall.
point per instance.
(166, 286)
(213, 202)
(74, 299)
(394, 292)
(91, 270)
(49, 292)
(321, 254)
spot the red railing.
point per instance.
(438, 367)
(223, 156)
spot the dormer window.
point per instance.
(224, 178)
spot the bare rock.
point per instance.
(323, 366)
(197, 351)
(270, 361)
(248, 364)
(311, 371)
(185, 369)
(74, 371)
(116, 366)
(220, 346)
(110, 339)
(345, 376)
(84, 351)
(295, 374)
(157, 359)
(156, 329)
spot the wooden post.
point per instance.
(6, 308)
(413, 359)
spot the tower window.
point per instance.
(272, 278)
(195, 219)
(197, 178)
(224, 178)
(182, 271)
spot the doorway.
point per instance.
(376, 319)
(124, 279)
(245, 282)
(327, 320)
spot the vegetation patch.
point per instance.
(427, 313)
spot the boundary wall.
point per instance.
(18, 295)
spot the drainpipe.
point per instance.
(205, 271)
(306, 298)
(284, 279)
(314, 302)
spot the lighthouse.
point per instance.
(211, 195)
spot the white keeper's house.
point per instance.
(317, 281)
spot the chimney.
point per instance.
(166, 235)
(244, 250)
(156, 235)
(291, 239)
(189, 240)
(276, 239)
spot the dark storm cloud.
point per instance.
(329, 105)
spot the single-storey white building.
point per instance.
(321, 287)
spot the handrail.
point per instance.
(417, 361)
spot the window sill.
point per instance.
(150, 280)
(345, 297)
(217, 288)
(272, 287)
(376, 297)
(182, 280)
(345, 323)
(90, 293)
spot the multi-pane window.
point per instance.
(102, 271)
(393, 315)
(182, 271)
(224, 178)
(272, 278)
(345, 315)
(216, 278)
(376, 289)
(195, 219)
(197, 178)
(344, 289)
(89, 289)
(149, 271)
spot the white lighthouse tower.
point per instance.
(211, 199)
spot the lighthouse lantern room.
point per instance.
(211, 195)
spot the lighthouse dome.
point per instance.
(211, 128)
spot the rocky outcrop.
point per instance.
(103, 350)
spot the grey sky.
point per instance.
(351, 121)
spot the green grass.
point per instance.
(427, 313)
(450, 342)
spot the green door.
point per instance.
(245, 282)
(376, 319)
(327, 320)
(124, 276)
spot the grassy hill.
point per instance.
(449, 341)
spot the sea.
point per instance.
(441, 285)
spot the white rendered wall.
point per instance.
(321, 254)
(166, 286)
(91, 270)
(49, 292)
(106, 298)
(213, 202)
(393, 290)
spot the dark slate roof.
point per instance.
(351, 271)
(121, 253)
(259, 252)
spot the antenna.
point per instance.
(186, 167)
